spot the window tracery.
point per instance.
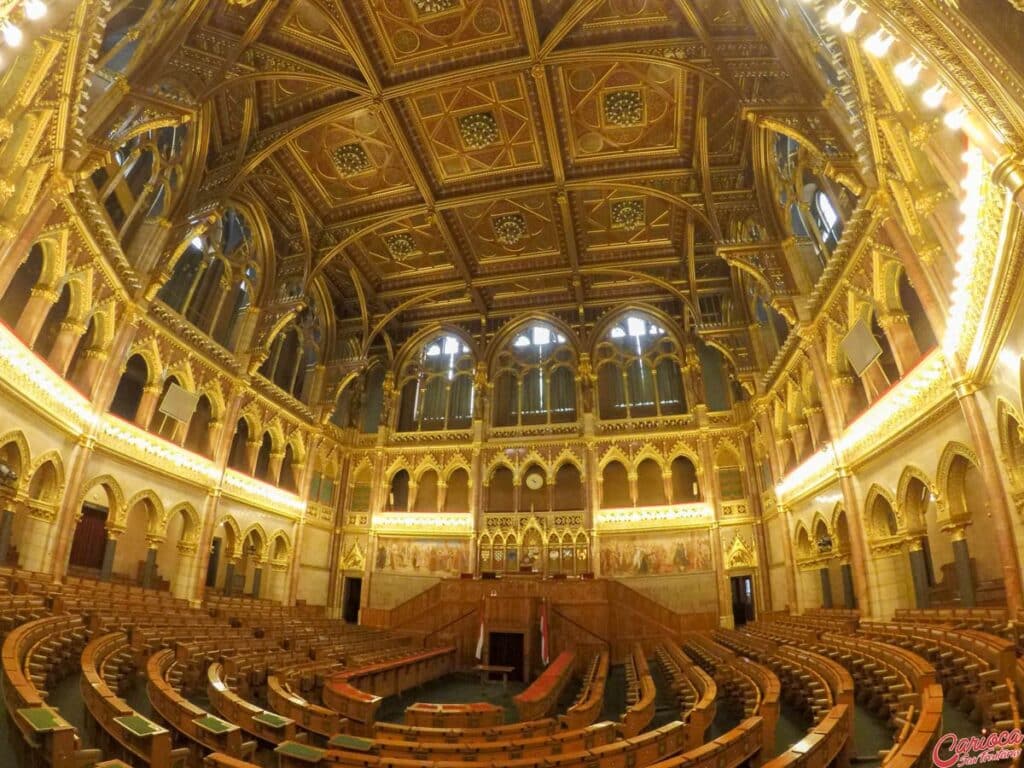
(437, 387)
(216, 279)
(638, 370)
(534, 379)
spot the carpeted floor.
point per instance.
(452, 689)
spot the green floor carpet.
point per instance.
(459, 688)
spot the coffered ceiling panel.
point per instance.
(413, 247)
(612, 220)
(474, 158)
(506, 231)
(484, 129)
(353, 165)
(406, 33)
(612, 109)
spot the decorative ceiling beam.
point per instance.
(553, 143)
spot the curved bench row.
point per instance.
(134, 735)
(640, 693)
(587, 707)
(540, 698)
(695, 691)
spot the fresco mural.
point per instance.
(426, 557)
(656, 554)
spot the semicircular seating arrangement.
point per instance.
(235, 681)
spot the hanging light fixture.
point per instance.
(12, 34)
(34, 9)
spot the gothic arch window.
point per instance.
(373, 399)
(141, 179)
(437, 387)
(215, 280)
(293, 352)
(534, 379)
(638, 370)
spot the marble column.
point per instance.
(6, 527)
(64, 346)
(147, 406)
(108, 557)
(6, 520)
(896, 327)
(257, 577)
(149, 569)
(846, 574)
(962, 563)
(229, 576)
(34, 314)
(919, 574)
(826, 588)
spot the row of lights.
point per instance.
(846, 16)
(11, 33)
(909, 71)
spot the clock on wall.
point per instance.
(535, 481)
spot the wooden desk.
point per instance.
(486, 670)
(352, 743)
(137, 725)
(43, 719)
(293, 753)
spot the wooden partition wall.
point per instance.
(582, 613)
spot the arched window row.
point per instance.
(638, 370)
(535, 378)
(649, 483)
(267, 456)
(294, 353)
(216, 280)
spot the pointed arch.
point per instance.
(258, 532)
(881, 514)
(110, 486)
(155, 514)
(14, 449)
(190, 532)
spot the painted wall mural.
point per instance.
(656, 554)
(425, 557)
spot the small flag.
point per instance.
(480, 637)
(545, 646)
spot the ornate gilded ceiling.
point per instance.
(463, 159)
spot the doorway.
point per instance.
(742, 599)
(505, 649)
(89, 543)
(351, 594)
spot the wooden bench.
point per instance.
(132, 732)
(470, 715)
(542, 695)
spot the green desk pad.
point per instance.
(138, 725)
(354, 743)
(300, 751)
(271, 720)
(42, 719)
(214, 724)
